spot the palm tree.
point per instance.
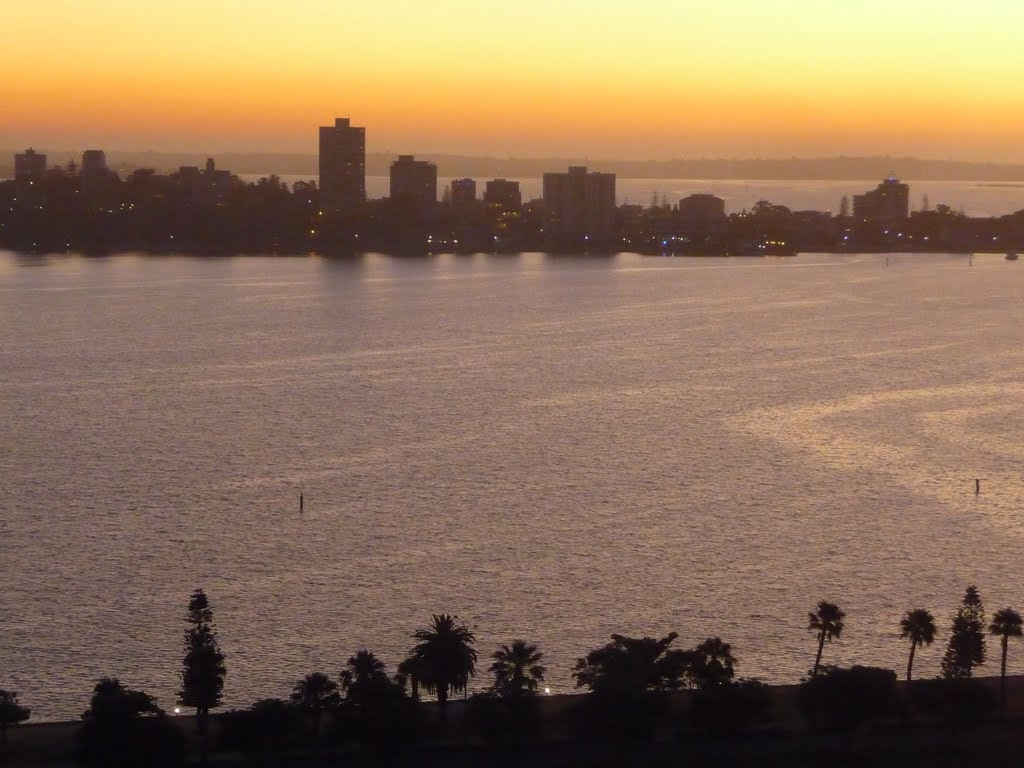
(313, 694)
(445, 651)
(919, 627)
(1006, 623)
(517, 669)
(827, 622)
(411, 670)
(364, 671)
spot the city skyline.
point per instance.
(649, 81)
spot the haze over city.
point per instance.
(649, 79)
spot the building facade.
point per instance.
(701, 209)
(579, 206)
(29, 165)
(342, 166)
(503, 194)
(889, 201)
(414, 181)
(463, 193)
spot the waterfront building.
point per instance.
(29, 164)
(463, 193)
(579, 205)
(342, 166)
(701, 209)
(503, 194)
(414, 181)
(889, 201)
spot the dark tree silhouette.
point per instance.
(202, 669)
(445, 650)
(712, 663)
(517, 669)
(124, 728)
(362, 677)
(314, 694)
(918, 626)
(827, 623)
(411, 670)
(844, 699)
(966, 647)
(1005, 624)
(11, 712)
(637, 664)
(628, 678)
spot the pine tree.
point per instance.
(202, 669)
(966, 647)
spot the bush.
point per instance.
(726, 710)
(270, 726)
(385, 718)
(504, 719)
(150, 741)
(845, 699)
(957, 702)
(623, 715)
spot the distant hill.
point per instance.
(828, 168)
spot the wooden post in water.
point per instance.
(302, 503)
(977, 486)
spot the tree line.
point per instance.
(629, 680)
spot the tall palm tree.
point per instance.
(827, 622)
(517, 669)
(445, 650)
(313, 694)
(1006, 623)
(919, 627)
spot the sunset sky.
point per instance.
(641, 79)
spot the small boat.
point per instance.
(1011, 256)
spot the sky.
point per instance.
(646, 79)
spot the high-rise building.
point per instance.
(579, 205)
(503, 194)
(463, 193)
(889, 201)
(414, 181)
(29, 165)
(342, 166)
(94, 161)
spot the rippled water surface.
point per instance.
(553, 448)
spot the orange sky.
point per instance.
(647, 79)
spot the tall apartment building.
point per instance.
(29, 165)
(579, 205)
(414, 181)
(342, 166)
(889, 201)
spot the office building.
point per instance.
(29, 165)
(503, 194)
(889, 201)
(579, 205)
(342, 166)
(414, 181)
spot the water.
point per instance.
(975, 198)
(553, 448)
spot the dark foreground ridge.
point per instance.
(93, 210)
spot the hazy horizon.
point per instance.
(649, 80)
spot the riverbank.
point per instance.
(783, 737)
